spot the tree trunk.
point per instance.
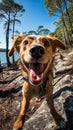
(68, 15)
(7, 46)
(7, 42)
(13, 58)
(66, 36)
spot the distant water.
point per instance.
(3, 57)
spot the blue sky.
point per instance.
(35, 15)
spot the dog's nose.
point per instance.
(37, 51)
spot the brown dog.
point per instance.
(36, 59)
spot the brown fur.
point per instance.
(23, 44)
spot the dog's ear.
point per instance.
(56, 43)
(16, 44)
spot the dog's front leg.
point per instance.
(24, 105)
(58, 119)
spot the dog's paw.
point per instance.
(17, 125)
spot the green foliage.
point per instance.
(10, 11)
(52, 7)
(64, 10)
(40, 31)
(68, 24)
(58, 33)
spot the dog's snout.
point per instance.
(37, 51)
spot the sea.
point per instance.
(3, 57)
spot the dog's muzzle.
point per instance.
(37, 51)
(35, 68)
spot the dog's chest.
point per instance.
(42, 90)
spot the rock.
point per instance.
(16, 105)
(40, 119)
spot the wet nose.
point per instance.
(37, 51)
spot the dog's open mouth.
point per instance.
(36, 71)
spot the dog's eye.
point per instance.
(46, 43)
(25, 42)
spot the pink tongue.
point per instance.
(34, 77)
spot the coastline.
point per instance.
(3, 57)
(2, 50)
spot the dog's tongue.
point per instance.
(34, 77)
(35, 73)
